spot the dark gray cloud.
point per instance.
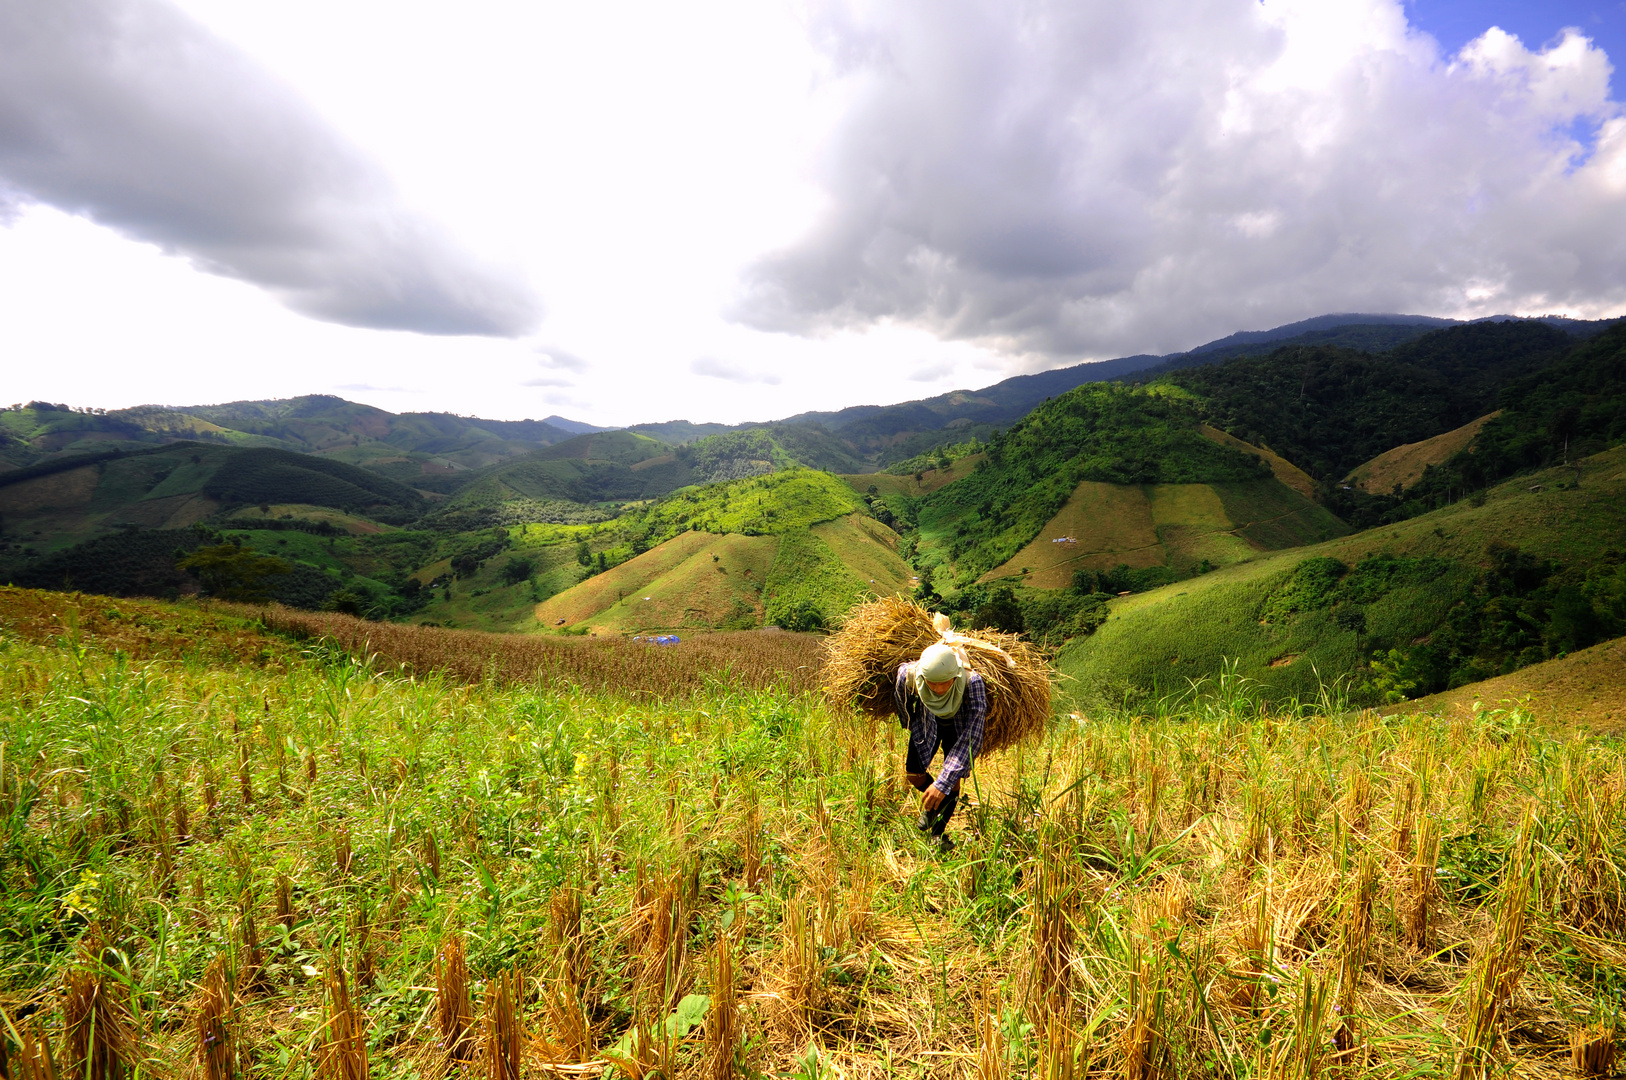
(133, 115)
(713, 368)
(1083, 177)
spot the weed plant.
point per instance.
(415, 875)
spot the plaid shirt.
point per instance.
(921, 723)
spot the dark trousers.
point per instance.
(919, 760)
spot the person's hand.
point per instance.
(931, 799)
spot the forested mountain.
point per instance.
(410, 447)
(1328, 409)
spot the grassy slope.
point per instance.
(1177, 525)
(790, 499)
(834, 566)
(1100, 432)
(807, 540)
(869, 549)
(687, 587)
(1404, 465)
(479, 809)
(1282, 469)
(931, 479)
(488, 601)
(354, 524)
(1182, 631)
(1586, 689)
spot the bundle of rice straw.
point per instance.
(862, 658)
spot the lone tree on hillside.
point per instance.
(234, 572)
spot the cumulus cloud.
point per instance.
(555, 357)
(1062, 178)
(713, 368)
(133, 115)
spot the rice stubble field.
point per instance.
(231, 851)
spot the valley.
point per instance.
(1145, 525)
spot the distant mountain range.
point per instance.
(428, 450)
(882, 434)
(1035, 503)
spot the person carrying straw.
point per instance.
(941, 702)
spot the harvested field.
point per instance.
(1176, 525)
(1403, 466)
(1112, 523)
(930, 480)
(321, 867)
(1587, 689)
(756, 659)
(693, 581)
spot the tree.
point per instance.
(802, 616)
(1002, 612)
(517, 569)
(234, 572)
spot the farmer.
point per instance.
(941, 702)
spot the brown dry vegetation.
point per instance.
(1586, 689)
(1403, 466)
(1282, 469)
(141, 629)
(747, 658)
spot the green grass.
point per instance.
(807, 570)
(1248, 875)
(763, 505)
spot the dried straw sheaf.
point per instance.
(861, 660)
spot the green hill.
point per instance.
(1328, 410)
(418, 449)
(791, 547)
(1183, 527)
(1448, 597)
(58, 503)
(560, 483)
(1574, 408)
(1103, 432)
(577, 481)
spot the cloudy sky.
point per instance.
(741, 210)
